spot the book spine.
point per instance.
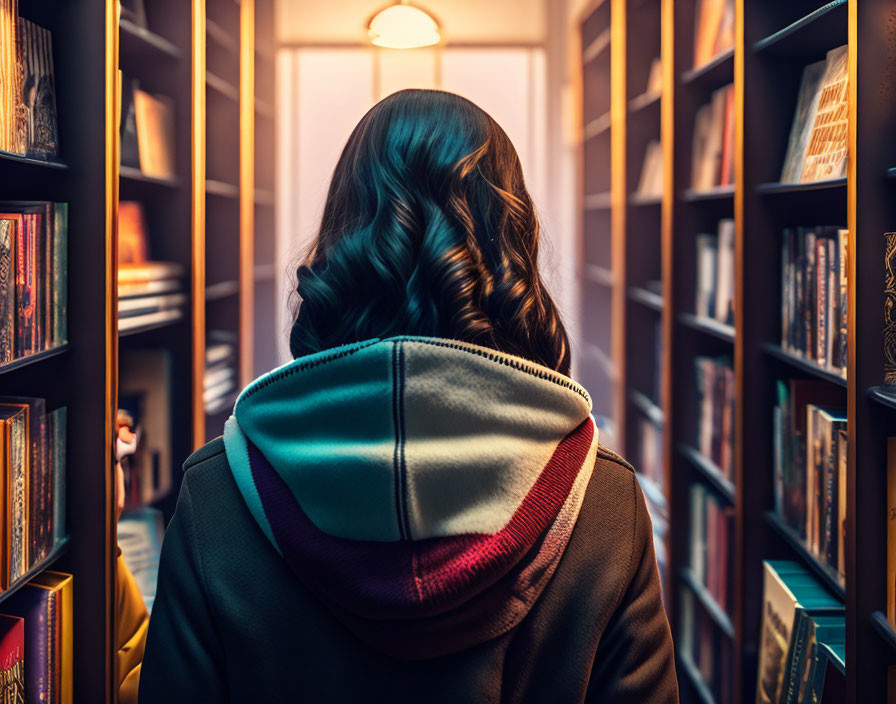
(821, 301)
(831, 505)
(843, 302)
(7, 292)
(21, 291)
(60, 273)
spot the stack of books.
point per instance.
(712, 155)
(713, 30)
(712, 538)
(219, 382)
(802, 641)
(149, 292)
(33, 286)
(810, 455)
(818, 145)
(27, 87)
(715, 412)
(32, 464)
(715, 274)
(814, 292)
(36, 644)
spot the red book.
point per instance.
(12, 659)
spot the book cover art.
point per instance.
(803, 119)
(827, 150)
(12, 659)
(890, 308)
(7, 291)
(38, 87)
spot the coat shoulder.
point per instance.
(210, 453)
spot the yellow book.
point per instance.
(63, 586)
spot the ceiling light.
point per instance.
(403, 26)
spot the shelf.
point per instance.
(643, 101)
(139, 44)
(221, 37)
(31, 161)
(598, 201)
(33, 358)
(150, 327)
(597, 47)
(883, 395)
(264, 109)
(129, 173)
(645, 199)
(216, 83)
(883, 628)
(715, 193)
(719, 70)
(221, 290)
(776, 187)
(710, 471)
(263, 196)
(597, 126)
(652, 491)
(599, 275)
(810, 36)
(790, 537)
(602, 358)
(708, 326)
(695, 678)
(221, 189)
(803, 364)
(646, 298)
(264, 272)
(44, 564)
(644, 404)
(710, 605)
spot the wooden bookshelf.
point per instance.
(774, 41)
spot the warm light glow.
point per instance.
(403, 27)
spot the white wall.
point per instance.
(344, 21)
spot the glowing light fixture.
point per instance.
(403, 26)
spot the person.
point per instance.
(417, 508)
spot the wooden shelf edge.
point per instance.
(800, 24)
(884, 629)
(31, 161)
(808, 559)
(695, 678)
(647, 407)
(221, 290)
(642, 199)
(150, 327)
(220, 36)
(709, 326)
(643, 101)
(692, 195)
(129, 173)
(599, 275)
(699, 72)
(598, 201)
(223, 87)
(710, 605)
(710, 471)
(600, 43)
(883, 395)
(222, 189)
(776, 187)
(44, 564)
(35, 358)
(150, 40)
(646, 298)
(803, 364)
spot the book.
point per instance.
(146, 272)
(38, 91)
(155, 134)
(655, 77)
(143, 305)
(651, 180)
(812, 629)
(829, 679)
(57, 431)
(7, 291)
(61, 617)
(707, 268)
(714, 380)
(9, 74)
(712, 534)
(130, 149)
(12, 659)
(890, 308)
(133, 239)
(140, 534)
(817, 147)
(713, 123)
(724, 306)
(787, 587)
(713, 30)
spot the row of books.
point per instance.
(147, 131)
(32, 467)
(651, 477)
(713, 30)
(715, 274)
(36, 643)
(712, 540)
(818, 148)
(149, 292)
(33, 272)
(27, 87)
(802, 641)
(814, 294)
(219, 382)
(712, 155)
(810, 455)
(715, 411)
(710, 650)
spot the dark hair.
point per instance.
(428, 230)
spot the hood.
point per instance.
(422, 489)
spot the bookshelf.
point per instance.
(773, 42)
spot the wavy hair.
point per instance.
(428, 230)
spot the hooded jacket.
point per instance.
(403, 520)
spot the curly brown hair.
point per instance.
(428, 229)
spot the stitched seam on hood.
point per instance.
(517, 363)
(399, 466)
